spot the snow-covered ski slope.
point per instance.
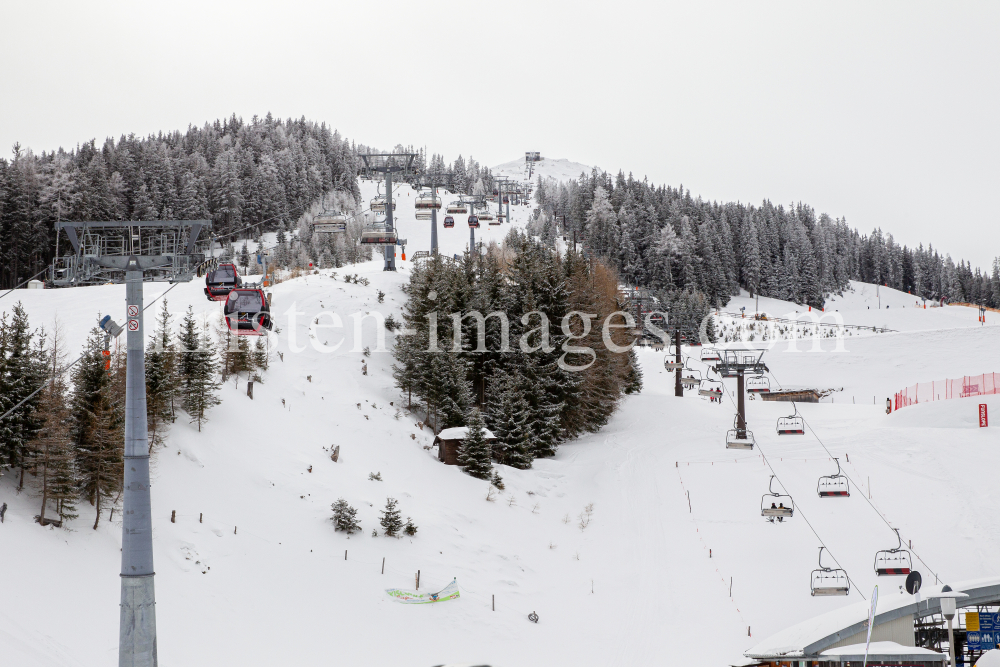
(417, 233)
(560, 169)
(635, 586)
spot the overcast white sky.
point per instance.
(885, 113)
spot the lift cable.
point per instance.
(799, 508)
(24, 282)
(74, 362)
(856, 485)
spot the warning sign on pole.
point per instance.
(133, 311)
(983, 419)
(133, 325)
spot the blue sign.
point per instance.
(986, 637)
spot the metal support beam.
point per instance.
(137, 628)
(741, 410)
(389, 252)
(434, 223)
(678, 389)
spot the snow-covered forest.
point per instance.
(253, 176)
(666, 238)
(548, 387)
(263, 175)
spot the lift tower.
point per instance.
(388, 164)
(435, 180)
(737, 363)
(473, 201)
(130, 252)
(506, 187)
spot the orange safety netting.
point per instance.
(939, 390)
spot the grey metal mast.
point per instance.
(434, 223)
(434, 180)
(388, 164)
(736, 363)
(473, 201)
(117, 251)
(390, 254)
(137, 634)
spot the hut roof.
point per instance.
(460, 433)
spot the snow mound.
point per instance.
(560, 169)
(952, 413)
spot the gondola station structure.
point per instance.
(908, 628)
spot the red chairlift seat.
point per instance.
(792, 424)
(833, 486)
(893, 561)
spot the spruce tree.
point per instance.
(161, 378)
(391, 520)
(345, 517)
(508, 414)
(474, 453)
(98, 422)
(23, 369)
(52, 460)
(198, 382)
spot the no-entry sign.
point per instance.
(983, 419)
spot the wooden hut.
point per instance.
(449, 440)
(792, 395)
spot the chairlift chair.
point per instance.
(486, 216)
(457, 208)
(833, 486)
(772, 504)
(247, 312)
(449, 222)
(893, 561)
(739, 438)
(378, 234)
(710, 388)
(690, 382)
(496, 221)
(792, 424)
(427, 201)
(758, 385)
(710, 354)
(377, 204)
(827, 581)
(474, 221)
(328, 223)
(422, 214)
(690, 377)
(221, 281)
(670, 360)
